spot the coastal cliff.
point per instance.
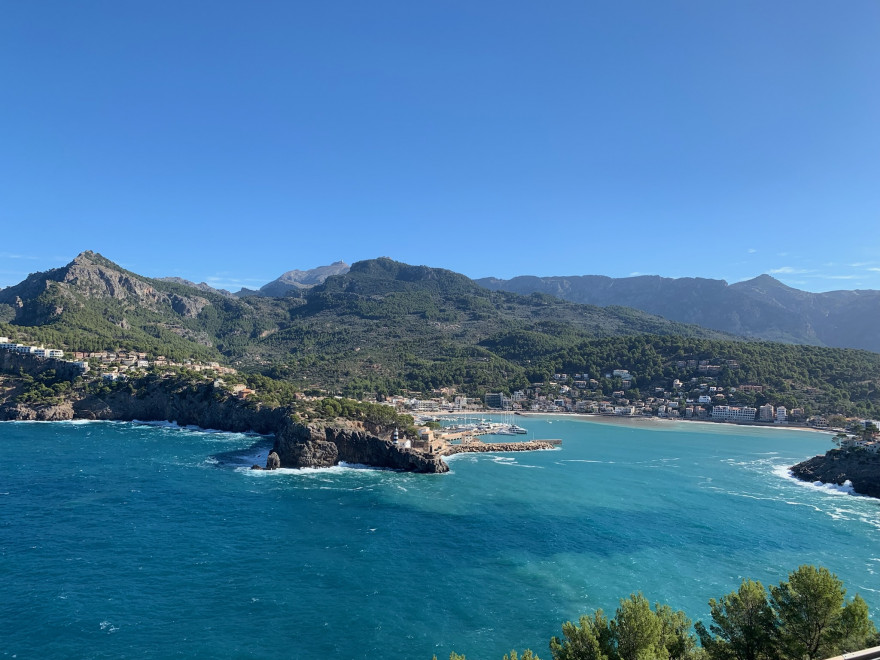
(860, 468)
(298, 445)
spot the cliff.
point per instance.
(203, 405)
(298, 445)
(14, 363)
(859, 467)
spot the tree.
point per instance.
(854, 630)
(812, 617)
(638, 631)
(527, 655)
(743, 625)
(591, 640)
(675, 633)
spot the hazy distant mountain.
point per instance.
(762, 308)
(201, 286)
(296, 280)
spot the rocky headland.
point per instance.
(300, 445)
(200, 403)
(861, 468)
(297, 445)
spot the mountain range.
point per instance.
(386, 327)
(296, 280)
(760, 308)
(381, 322)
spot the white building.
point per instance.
(705, 398)
(733, 413)
(781, 415)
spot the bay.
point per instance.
(126, 540)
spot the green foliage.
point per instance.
(590, 639)
(635, 633)
(371, 413)
(387, 327)
(813, 621)
(743, 625)
(43, 389)
(527, 655)
(806, 616)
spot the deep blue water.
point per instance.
(122, 540)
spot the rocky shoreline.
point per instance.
(300, 445)
(861, 468)
(296, 445)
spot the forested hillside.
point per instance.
(386, 326)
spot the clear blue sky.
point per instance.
(232, 141)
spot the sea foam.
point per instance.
(833, 489)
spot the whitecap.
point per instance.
(833, 489)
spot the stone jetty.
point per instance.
(484, 447)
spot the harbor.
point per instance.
(466, 437)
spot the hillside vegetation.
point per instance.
(386, 326)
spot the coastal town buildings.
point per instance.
(766, 413)
(734, 414)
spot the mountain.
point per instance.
(386, 327)
(761, 308)
(93, 304)
(201, 286)
(381, 320)
(294, 281)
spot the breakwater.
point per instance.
(484, 447)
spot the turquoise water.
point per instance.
(122, 540)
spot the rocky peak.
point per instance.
(90, 276)
(93, 276)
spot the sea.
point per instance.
(128, 540)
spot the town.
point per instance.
(686, 397)
(121, 365)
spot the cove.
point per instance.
(126, 540)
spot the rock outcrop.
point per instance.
(298, 445)
(61, 412)
(167, 400)
(273, 462)
(45, 296)
(15, 363)
(861, 468)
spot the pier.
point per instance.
(479, 446)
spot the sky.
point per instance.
(229, 142)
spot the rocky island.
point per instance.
(859, 467)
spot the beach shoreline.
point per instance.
(625, 419)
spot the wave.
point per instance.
(833, 489)
(174, 426)
(342, 468)
(583, 460)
